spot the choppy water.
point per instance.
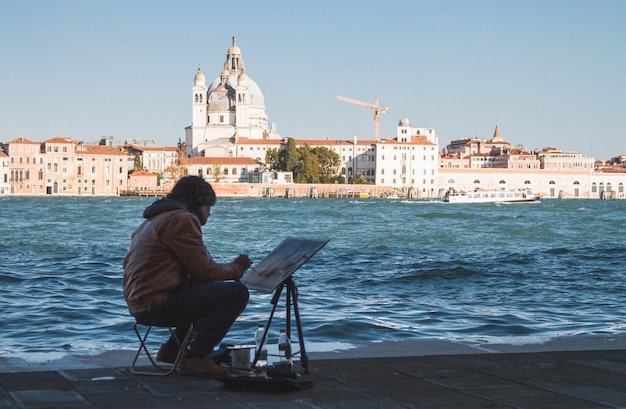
(394, 269)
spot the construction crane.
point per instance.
(377, 111)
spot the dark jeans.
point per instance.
(211, 307)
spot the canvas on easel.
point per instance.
(281, 263)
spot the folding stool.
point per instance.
(161, 370)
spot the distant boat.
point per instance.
(490, 196)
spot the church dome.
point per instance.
(404, 122)
(256, 96)
(221, 99)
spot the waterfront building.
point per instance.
(468, 147)
(142, 180)
(520, 159)
(410, 161)
(231, 107)
(154, 159)
(61, 166)
(26, 167)
(552, 184)
(103, 170)
(608, 184)
(555, 159)
(223, 169)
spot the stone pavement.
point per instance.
(539, 379)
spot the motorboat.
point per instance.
(491, 196)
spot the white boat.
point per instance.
(490, 196)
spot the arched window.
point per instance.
(502, 182)
(477, 182)
(450, 180)
(226, 171)
(552, 182)
(576, 182)
(527, 182)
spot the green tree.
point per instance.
(358, 179)
(329, 163)
(272, 159)
(137, 163)
(309, 165)
(308, 168)
(291, 155)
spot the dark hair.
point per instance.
(193, 192)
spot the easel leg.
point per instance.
(291, 289)
(274, 302)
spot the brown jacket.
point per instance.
(166, 252)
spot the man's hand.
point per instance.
(243, 262)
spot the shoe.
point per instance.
(168, 352)
(201, 366)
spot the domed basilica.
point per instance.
(232, 107)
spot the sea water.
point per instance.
(393, 269)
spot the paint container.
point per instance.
(240, 356)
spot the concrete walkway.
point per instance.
(533, 379)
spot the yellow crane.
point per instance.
(377, 111)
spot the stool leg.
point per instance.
(160, 370)
(181, 345)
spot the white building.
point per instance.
(410, 161)
(232, 107)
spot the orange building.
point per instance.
(142, 180)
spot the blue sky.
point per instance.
(549, 73)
